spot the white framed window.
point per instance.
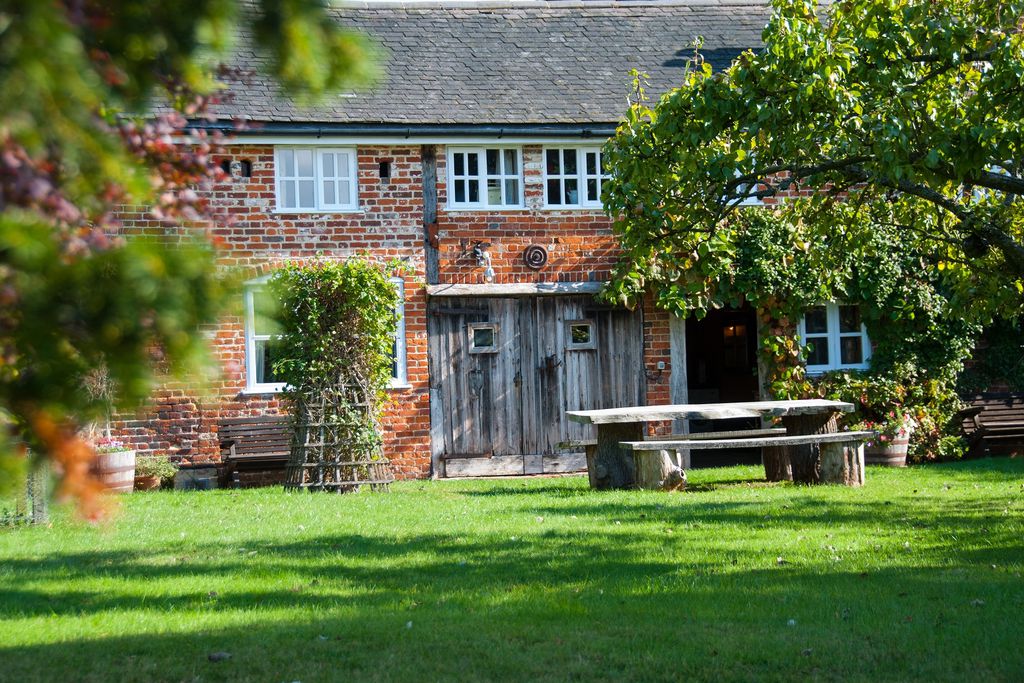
(316, 179)
(399, 361)
(744, 188)
(485, 177)
(573, 177)
(837, 336)
(261, 332)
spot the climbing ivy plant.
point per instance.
(337, 325)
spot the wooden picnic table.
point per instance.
(613, 463)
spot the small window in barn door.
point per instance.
(580, 335)
(483, 337)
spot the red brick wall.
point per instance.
(182, 421)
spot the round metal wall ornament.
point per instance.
(535, 256)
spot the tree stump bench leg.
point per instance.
(842, 462)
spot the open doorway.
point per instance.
(721, 366)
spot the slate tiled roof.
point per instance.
(503, 63)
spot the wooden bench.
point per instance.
(994, 422)
(683, 454)
(834, 455)
(255, 443)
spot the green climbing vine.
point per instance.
(337, 325)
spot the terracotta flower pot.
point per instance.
(147, 483)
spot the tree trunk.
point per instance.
(776, 463)
(806, 459)
(842, 463)
(658, 470)
(609, 466)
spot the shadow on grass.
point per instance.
(594, 601)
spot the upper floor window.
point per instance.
(573, 176)
(316, 179)
(261, 333)
(485, 177)
(837, 337)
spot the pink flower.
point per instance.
(883, 437)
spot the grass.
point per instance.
(916, 576)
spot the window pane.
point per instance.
(511, 162)
(304, 159)
(849, 319)
(474, 189)
(818, 354)
(460, 191)
(592, 193)
(473, 163)
(343, 165)
(591, 163)
(265, 357)
(483, 337)
(569, 161)
(572, 191)
(552, 161)
(288, 201)
(580, 333)
(512, 191)
(329, 197)
(287, 157)
(850, 352)
(345, 192)
(306, 193)
(492, 162)
(460, 164)
(264, 313)
(554, 192)
(328, 165)
(816, 320)
(494, 191)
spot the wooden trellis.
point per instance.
(30, 504)
(336, 443)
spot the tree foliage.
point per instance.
(909, 111)
(75, 77)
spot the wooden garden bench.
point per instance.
(994, 420)
(255, 443)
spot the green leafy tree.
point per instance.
(76, 78)
(909, 111)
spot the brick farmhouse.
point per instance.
(476, 160)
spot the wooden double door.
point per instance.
(504, 370)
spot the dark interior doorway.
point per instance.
(721, 366)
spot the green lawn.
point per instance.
(916, 576)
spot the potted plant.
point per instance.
(151, 470)
(890, 446)
(114, 465)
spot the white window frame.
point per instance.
(251, 385)
(319, 205)
(834, 335)
(399, 380)
(482, 177)
(581, 176)
(401, 377)
(749, 201)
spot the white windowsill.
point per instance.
(404, 385)
(572, 207)
(264, 390)
(311, 212)
(486, 207)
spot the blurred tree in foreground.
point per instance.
(74, 75)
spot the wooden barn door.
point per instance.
(505, 370)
